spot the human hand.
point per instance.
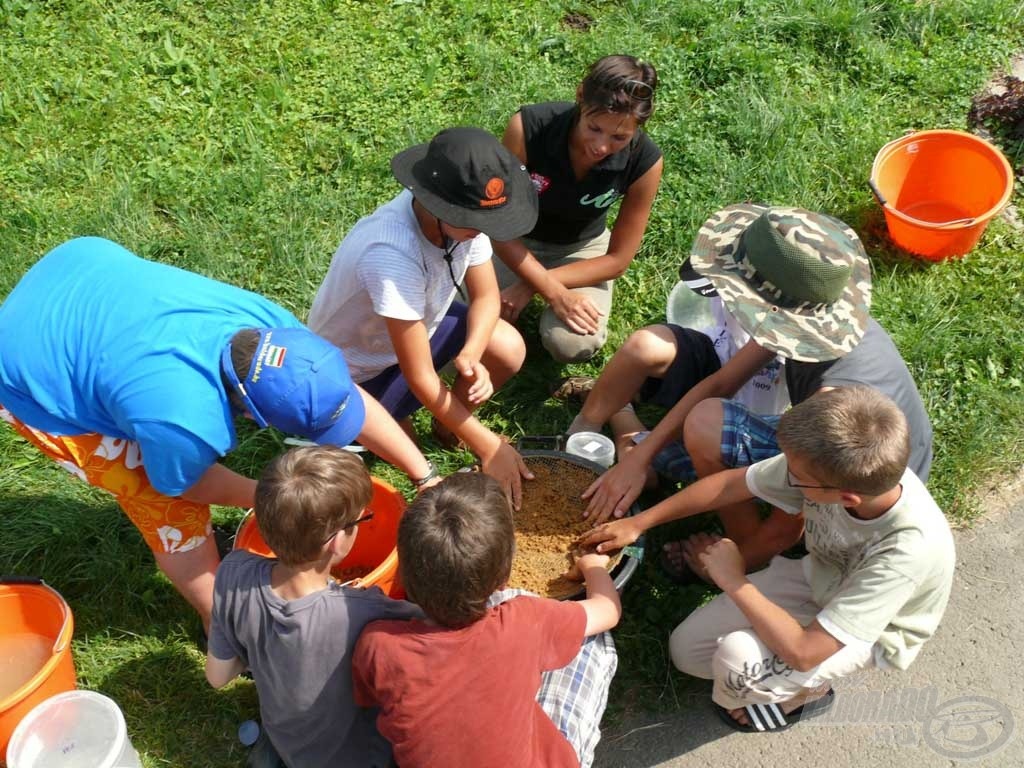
(507, 467)
(476, 372)
(610, 537)
(514, 300)
(725, 564)
(577, 311)
(612, 493)
(693, 548)
(428, 484)
(583, 561)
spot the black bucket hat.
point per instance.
(467, 178)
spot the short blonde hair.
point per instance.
(854, 438)
(307, 494)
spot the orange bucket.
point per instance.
(939, 190)
(374, 549)
(35, 629)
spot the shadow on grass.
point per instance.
(174, 717)
(134, 636)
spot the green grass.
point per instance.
(242, 139)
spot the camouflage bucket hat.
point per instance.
(798, 282)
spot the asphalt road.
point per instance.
(960, 703)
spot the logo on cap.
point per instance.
(275, 356)
(494, 190)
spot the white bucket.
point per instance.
(76, 729)
(593, 446)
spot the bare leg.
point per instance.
(758, 540)
(191, 573)
(647, 352)
(409, 429)
(503, 357)
(625, 425)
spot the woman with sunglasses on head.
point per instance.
(582, 157)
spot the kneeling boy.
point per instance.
(291, 624)
(870, 592)
(461, 689)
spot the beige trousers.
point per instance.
(561, 342)
(716, 642)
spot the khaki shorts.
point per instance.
(167, 523)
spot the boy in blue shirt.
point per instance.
(130, 374)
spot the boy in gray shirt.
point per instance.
(291, 624)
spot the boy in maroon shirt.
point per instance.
(465, 687)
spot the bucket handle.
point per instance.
(877, 192)
(59, 644)
(956, 223)
(967, 222)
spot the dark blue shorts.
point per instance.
(390, 387)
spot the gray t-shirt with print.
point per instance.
(299, 654)
(883, 582)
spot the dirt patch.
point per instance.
(548, 523)
(1002, 495)
(577, 21)
(1000, 108)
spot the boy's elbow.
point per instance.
(799, 663)
(606, 615)
(214, 680)
(803, 659)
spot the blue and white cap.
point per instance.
(299, 383)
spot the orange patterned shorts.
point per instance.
(167, 523)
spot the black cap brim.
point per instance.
(507, 222)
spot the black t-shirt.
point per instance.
(874, 362)
(572, 210)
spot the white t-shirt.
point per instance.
(765, 392)
(386, 267)
(882, 582)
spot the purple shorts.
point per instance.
(390, 387)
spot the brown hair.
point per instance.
(854, 438)
(243, 350)
(616, 84)
(455, 547)
(305, 496)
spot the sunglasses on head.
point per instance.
(636, 89)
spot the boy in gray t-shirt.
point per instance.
(291, 624)
(870, 592)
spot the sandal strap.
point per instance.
(766, 717)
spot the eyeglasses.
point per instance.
(363, 518)
(790, 482)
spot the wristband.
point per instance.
(431, 474)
